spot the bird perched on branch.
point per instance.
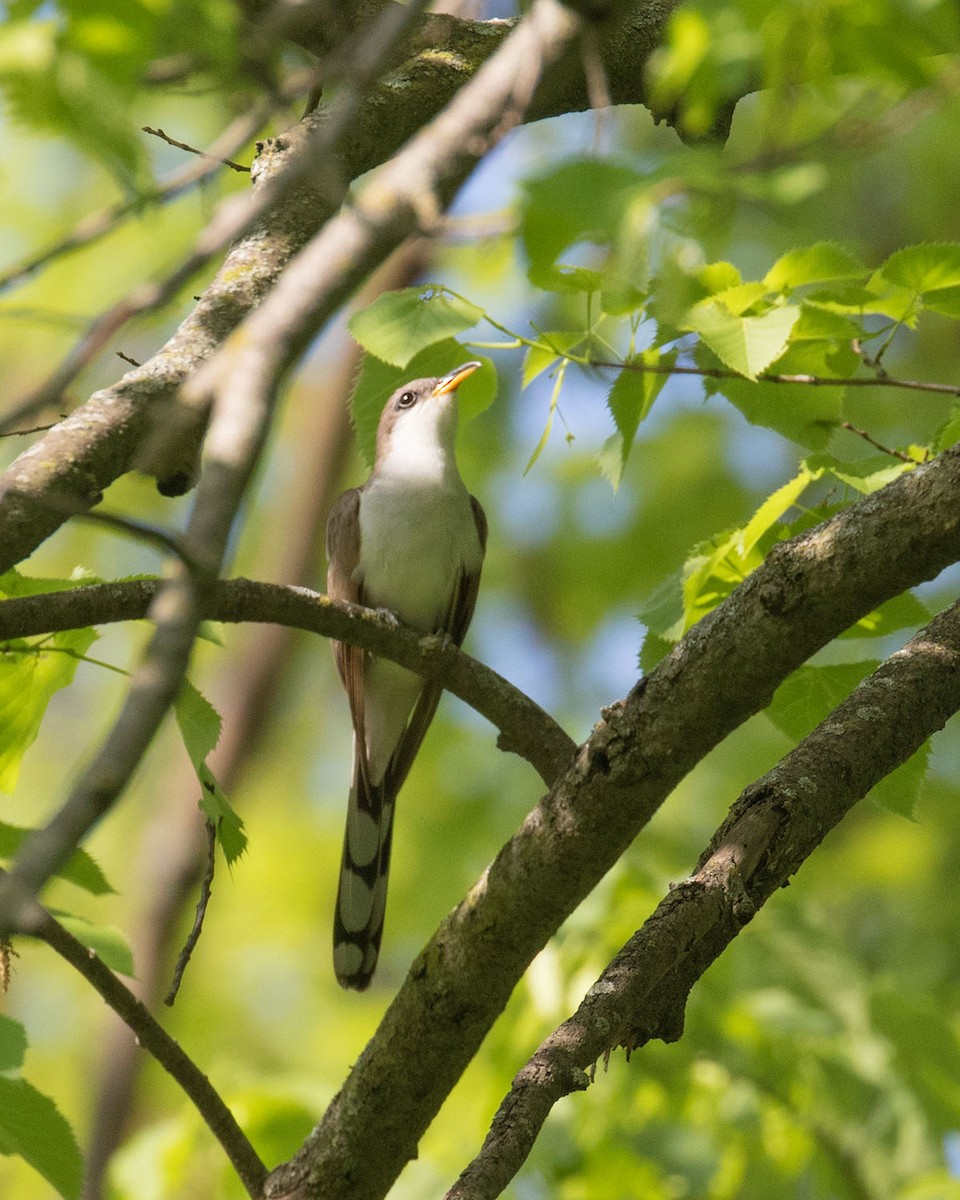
(410, 540)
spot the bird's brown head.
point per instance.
(423, 409)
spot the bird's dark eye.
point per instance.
(406, 399)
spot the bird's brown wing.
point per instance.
(343, 556)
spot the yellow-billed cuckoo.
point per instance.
(410, 540)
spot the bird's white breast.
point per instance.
(415, 535)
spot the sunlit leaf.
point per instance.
(747, 345)
(31, 672)
(773, 508)
(928, 267)
(820, 263)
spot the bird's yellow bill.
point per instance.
(451, 381)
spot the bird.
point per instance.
(411, 540)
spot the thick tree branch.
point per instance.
(771, 830)
(525, 728)
(37, 922)
(724, 670)
(102, 440)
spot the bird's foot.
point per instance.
(431, 642)
(388, 618)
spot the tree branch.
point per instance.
(525, 728)
(808, 591)
(769, 833)
(100, 441)
(37, 922)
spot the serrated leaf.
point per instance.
(820, 263)
(31, 671)
(927, 267)
(810, 694)
(13, 1044)
(109, 943)
(747, 345)
(869, 475)
(718, 277)
(397, 326)
(630, 400)
(199, 724)
(806, 414)
(79, 868)
(773, 508)
(33, 1127)
(378, 380)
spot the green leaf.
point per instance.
(820, 263)
(33, 1127)
(539, 358)
(810, 694)
(583, 200)
(109, 943)
(552, 412)
(902, 612)
(378, 380)
(397, 326)
(13, 1044)
(199, 724)
(865, 475)
(30, 673)
(747, 345)
(773, 508)
(805, 414)
(928, 267)
(900, 791)
(79, 868)
(629, 401)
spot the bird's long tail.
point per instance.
(362, 894)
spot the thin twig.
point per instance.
(35, 921)
(97, 225)
(862, 433)
(155, 535)
(127, 359)
(238, 214)
(25, 432)
(206, 887)
(889, 381)
(165, 137)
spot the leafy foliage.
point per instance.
(199, 724)
(30, 1123)
(716, 287)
